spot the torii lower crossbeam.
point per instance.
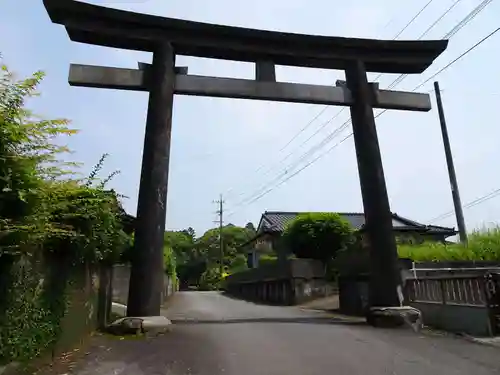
(219, 87)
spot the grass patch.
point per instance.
(483, 245)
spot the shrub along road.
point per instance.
(214, 334)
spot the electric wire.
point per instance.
(323, 110)
(473, 203)
(264, 192)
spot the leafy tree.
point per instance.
(208, 245)
(318, 235)
(191, 273)
(211, 279)
(188, 264)
(233, 239)
(238, 264)
(198, 259)
(182, 244)
(190, 233)
(251, 229)
(42, 204)
(28, 158)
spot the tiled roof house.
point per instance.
(276, 221)
(273, 223)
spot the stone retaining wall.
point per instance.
(291, 282)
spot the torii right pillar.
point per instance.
(385, 277)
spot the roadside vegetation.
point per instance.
(55, 225)
(198, 257)
(324, 236)
(482, 245)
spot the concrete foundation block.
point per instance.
(149, 325)
(391, 317)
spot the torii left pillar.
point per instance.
(147, 269)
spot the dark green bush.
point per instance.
(318, 235)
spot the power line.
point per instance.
(392, 85)
(447, 66)
(379, 114)
(414, 18)
(294, 164)
(409, 23)
(273, 167)
(473, 203)
(470, 16)
(450, 34)
(391, 20)
(467, 19)
(342, 127)
(304, 128)
(440, 18)
(300, 170)
(458, 58)
(331, 136)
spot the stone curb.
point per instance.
(493, 342)
(338, 316)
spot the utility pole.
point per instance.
(451, 168)
(220, 212)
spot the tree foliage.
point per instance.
(47, 213)
(182, 245)
(198, 258)
(251, 229)
(42, 204)
(318, 235)
(211, 279)
(169, 261)
(234, 239)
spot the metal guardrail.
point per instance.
(472, 291)
(458, 290)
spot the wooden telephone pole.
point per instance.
(451, 168)
(220, 212)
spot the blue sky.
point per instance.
(224, 146)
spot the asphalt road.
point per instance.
(213, 334)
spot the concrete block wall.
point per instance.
(473, 320)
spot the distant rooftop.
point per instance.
(276, 221)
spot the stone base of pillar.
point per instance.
(391, 317)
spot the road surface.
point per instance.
(213, 334)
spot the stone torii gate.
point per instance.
(167, 37)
